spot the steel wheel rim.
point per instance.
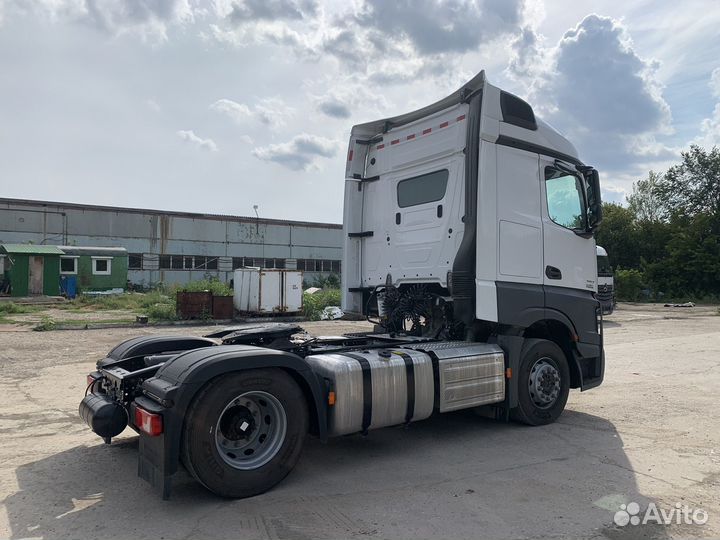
(544, 383)
(250, 430)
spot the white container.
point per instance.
(258, 290)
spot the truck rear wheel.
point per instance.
(543, 383)
(244, 432)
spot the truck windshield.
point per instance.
(603, 265)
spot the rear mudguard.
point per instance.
(147, 345)
(178, 381)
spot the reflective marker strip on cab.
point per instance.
(414, 136)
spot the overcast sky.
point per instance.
(217, 106)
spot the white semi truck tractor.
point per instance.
(469, 243)
(606, 282)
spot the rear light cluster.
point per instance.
(147, 422)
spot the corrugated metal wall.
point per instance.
(208, 244)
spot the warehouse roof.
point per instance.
(61, 206)
(31, 249)
(91, 250)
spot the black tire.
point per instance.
(201, 451)
(544, 360)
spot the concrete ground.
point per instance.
(650, 433)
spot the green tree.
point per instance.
(693, 186)
(619, 236)
(668, 238)
(645, 201)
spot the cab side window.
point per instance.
(565, 201)
(422, 189)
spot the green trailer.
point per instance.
(29, 270)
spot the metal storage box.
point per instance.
(222, 307)
(469, 374)
(388, 392)
(258, 290)
(194, 304)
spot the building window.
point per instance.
(335, 266)
(135, 261)
(212, 263)
(200, 262)
(279, 263)
(164, 262)
(101, 266)
(68, 265)
(188, 264)
(237, 262)
(176, 262)
(269, 263)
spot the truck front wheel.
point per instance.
(543, 383)
(244, 432)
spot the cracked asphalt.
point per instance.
(649, 434)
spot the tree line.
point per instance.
(665, 245)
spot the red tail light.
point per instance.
(148, 422)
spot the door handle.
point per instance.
(439, 210)
(553, 273)
(398, 219)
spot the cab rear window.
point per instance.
(422, 189)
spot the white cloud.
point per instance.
(334, 107)
(300, 153)
(239, 112)
(527, 57)
(347, 97)
(387, 42)
(614, 194)
(272, 112)
(710, 127)
(599, 92)
(252, 10)
(434, 26)
(149, 19)
(715, 82)
(203, 144)
(153, 105)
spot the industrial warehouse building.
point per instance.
(176, 247)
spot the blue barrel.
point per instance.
(68, 286)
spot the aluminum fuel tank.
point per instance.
(377, 388)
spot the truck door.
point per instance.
(376, 207)
(569, 257)
(426, 226)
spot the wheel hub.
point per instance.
(544, 383)
(238, 423)
(251, 429)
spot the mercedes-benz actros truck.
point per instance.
(469, 244)
(606, 282)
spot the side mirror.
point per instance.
(594, 200)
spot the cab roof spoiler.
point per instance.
(469, 89)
